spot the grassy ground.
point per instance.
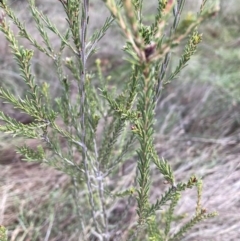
(198, 132)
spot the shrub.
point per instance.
(92, 132)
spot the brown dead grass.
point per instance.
(211, 151)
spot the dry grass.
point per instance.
(206, 150)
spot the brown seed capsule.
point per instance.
(203, 210)
(149, 50)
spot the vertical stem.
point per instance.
(145, 137)
(83, 118)
(83, 103)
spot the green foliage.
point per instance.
(92, 132)
(3, 234)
